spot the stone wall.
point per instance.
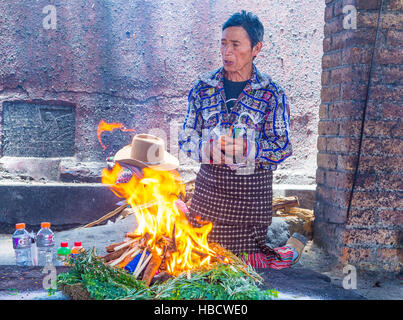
(134, 62)
(364, 128)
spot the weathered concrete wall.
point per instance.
(134, 62)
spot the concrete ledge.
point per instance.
(64, 205)
(68, 205)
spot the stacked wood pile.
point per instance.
(145, 263)
(288, 207)
(120, 254)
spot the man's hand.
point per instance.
(220, 154)
(213, 152)
(226, 150)
(243, 150)
(233, 147)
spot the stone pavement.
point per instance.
(26, 283)
(305, 284)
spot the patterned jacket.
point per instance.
(262, 106)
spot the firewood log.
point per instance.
(174, 247)
(304, 214)
(124, 255)
(132, 235)
(139, 264)
(113, 255)
(282, 203)
(151, 269)
(125, 244)
(111, 247)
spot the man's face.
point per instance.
(236, 50)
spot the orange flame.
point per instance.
(161, 217)
(104, 126)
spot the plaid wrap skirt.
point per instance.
(239, 206)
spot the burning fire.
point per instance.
(104, 126)
(153, 199)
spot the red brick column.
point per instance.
(366, 229)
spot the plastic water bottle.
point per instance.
(45, 241)
(22, 245)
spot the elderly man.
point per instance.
(237, 126)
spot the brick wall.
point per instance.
(369, 235)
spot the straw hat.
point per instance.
(147, 150)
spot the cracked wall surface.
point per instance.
(134, 62)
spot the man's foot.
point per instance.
(297, 242)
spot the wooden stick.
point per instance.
(113, 255)
(304, 214)
(124, 245)
(201, 254)
(145, 205)
(145, 262)
(115, 262)
(107, 216)
(282, 203)
(143, 265)
(174, 247)
(152, 268)
(118, 260)
(128, 258)
(112, 246)
(136, 253)
(140, 261)
(132, 235)
(248, 274)
(118, 210)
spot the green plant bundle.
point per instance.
(218, 282)
(221, 282)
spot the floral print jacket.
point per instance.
(262, 107)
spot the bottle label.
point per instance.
(62, 259)
(48, 239)
(75, 253)
(21, 242)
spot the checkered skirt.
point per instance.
(239, 206)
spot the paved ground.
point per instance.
(371, 285)
(316, 276)
(26, 283)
